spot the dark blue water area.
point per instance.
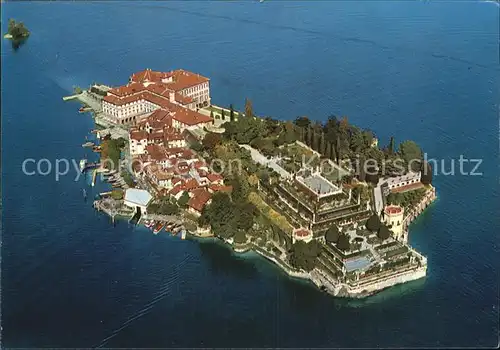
(426, 71)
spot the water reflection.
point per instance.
(222, 259)
(16, 44)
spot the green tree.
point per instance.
(322, 144)
(310, 136)
(240, 237)
(183, 200)
(328, 150)
(426, 177)
(361, 168)
(383, 232)
(315, 140)
(337, 150)
(304, 255)
(211, 140)
(302, 122)
(117, 194)
(333, 153)
(241, 188)
(248, 108)
(412, 154)
(373, 223)
(391, 146)
(231, 113)
(333, 234)
(343, 242)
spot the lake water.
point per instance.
(426, 71)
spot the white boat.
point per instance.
(83, 163)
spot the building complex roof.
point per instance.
(137, 196)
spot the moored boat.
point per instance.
(158, 227)
(83, 163)
(88, 144)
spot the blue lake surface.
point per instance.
(426, 71)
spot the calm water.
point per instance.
(426, 71)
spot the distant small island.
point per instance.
(17, 31)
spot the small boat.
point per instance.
(88, 144)
(84, 193)
(158, 227)
(81, 109)
(94, 176)
(148, 224)
(83, 163)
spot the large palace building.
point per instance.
(149, 90)
(310, 200)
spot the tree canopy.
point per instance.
(211, 140)
(248, 108)
(332, 235)
(412, 154)
(343, 242)
(227, 217)
(17, 30)
(373, 223)
(304, 255)
(383, 232)
(426, 177)
(183, 200)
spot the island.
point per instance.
(323, 201)
(17, 32)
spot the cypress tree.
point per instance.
(391, 146)
(338, 149)
(315, 141)
(309, 137)
(333, 154)
(231, 112)
(328, 150)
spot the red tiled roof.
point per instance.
(181, 79)
(302, 232)
(199, 164)
(221, 188)
(199, 200)
(171, 134)
(156, 152)
(128, 89)
(138, 135)
(406, 188)
(214, 177)
(189, 117)
(191, 184)
(393, 209)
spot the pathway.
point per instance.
(271, 163)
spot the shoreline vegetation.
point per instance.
(17, 33)
(344, 245)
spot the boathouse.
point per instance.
(137, 199)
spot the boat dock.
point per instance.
(68, 98)
(94, 176)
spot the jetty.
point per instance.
(69, 98)
(113, 207)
